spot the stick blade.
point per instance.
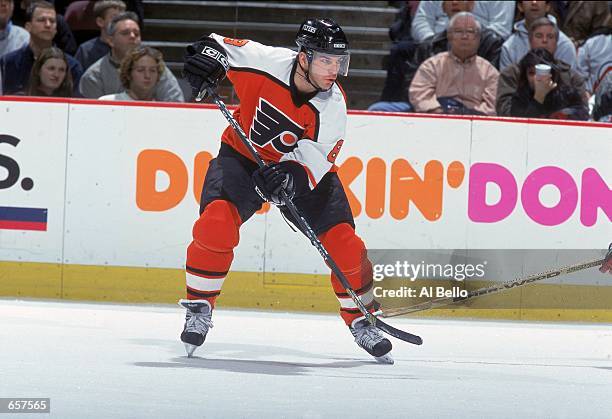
(399, 334)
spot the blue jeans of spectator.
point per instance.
(391, 107)
(453, 106)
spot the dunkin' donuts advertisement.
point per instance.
(133, 175)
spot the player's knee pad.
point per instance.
(344, 246)
(217, 229)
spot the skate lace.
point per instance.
(198, 322)
(367, 336)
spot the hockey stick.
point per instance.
(494, 289)
(305, 227)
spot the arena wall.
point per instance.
(99, 200)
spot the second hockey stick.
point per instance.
(494, 289)
(305, 227)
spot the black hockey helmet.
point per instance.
(323, 35)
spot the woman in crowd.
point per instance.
(547, 96)
(50, 75)
(139, 73)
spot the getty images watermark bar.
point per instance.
(407, 277)
(25, 405)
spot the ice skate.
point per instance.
(371, 339)
(197, 323)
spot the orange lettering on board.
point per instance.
(376, 173)
(407, 185)
(148, 164)
(200, 167)
(455, 174)
(347, 172)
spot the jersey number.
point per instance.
(235, 42)
(331, 157)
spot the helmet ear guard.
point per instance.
(309, 53)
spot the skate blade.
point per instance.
(385, 359)
(190, 349)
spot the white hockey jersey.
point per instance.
(279, 127)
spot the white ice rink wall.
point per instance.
(120, 184)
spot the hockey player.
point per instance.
(294, 114)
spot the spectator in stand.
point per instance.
(595, 58)
(64, 39)
(12, 37)
(489, 49)
(457, 81)
(602, 109)
(490, 42)
(135, 6)
(517, 45)
(16, 66)
(430, 19)
(546, 96)
(91, 51)
(394, 97)
(140, 72)
(102, 78)
(50, 75)
(540, 37)
(580, 19)
(80, 17)
(400, 29)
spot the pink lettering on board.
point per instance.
(478, 209)
(530, 196)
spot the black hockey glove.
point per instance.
(205, 62)
(270, 180)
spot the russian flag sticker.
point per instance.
(19, 218)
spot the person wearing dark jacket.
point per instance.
(64, 39)
(402, 49)
(579, 19)
(602, 109)
(548, 95)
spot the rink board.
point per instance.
(120, 183)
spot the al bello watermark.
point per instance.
(405, 277)
(419, 292)
(403, 270)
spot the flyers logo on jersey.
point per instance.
(221, 59)
(270, 125)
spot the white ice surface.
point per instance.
(122, 361)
